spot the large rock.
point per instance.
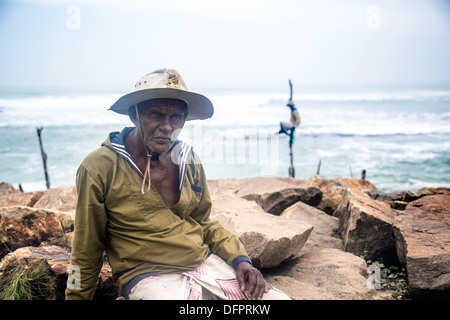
(12, 197)
(324, 274)
(274, 195)
(355, 184)
(6, 188)
(398, 200)
(58, 199)
(423, 243)
(268, 239)
(333, 190)
(417, 237)
(366, 226)
(58, 259)
(22, 226)
(325, 227)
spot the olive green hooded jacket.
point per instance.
(138, 232)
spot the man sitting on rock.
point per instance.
(143, 198)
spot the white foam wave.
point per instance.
(251, 111)
(58, 110)
(265, 111)
(377, 96)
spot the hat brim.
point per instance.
(199, 106)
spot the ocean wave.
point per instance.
(369, 96)
(58, 110)
(262, 110)
(377, 96)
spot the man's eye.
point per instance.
(155, 115)
(177, 118)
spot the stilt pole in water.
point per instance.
(288, 128)
(44, 157)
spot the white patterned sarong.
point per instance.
(214, 279)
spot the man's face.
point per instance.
(161, 121)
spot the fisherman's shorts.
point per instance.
(214, 279)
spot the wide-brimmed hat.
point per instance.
(165, 83)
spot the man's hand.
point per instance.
(257, 285)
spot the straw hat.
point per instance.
(165, 83)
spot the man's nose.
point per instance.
(165, 124)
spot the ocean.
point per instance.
(399, 135)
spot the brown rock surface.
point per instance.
(417, 237)
(11, 197)
(325, 227)
(268, 239)
(274, 195)
(324, 274)
(22, 226)
(6, 188)
(355, 184)
(333, 190)
(58, 199)
(423, 242)
(366, 226)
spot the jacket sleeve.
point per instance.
(220, 240)
(89, 237)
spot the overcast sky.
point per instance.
(237, 44)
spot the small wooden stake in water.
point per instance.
(44, 157)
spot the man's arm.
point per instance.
(88, 240)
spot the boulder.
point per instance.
(416, 194)
(423, 243)
(274, 195)
(324, 274)
(6, 188)
(64, 241)
(386, 196)
(417, 237)
(366, 226)
(355, 184)
(58, 199)
(333, 190)
(58, 259)
(22, 226)
(12, 197)
(268, 239)
(403, 197)
(325, 227)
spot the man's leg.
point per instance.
(166, 287)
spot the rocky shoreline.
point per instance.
(314, 239)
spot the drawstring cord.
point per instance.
(149, 156)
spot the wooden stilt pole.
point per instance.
(291, 154)
(318, 167)
(44, 157)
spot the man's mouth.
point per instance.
(162, 139)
